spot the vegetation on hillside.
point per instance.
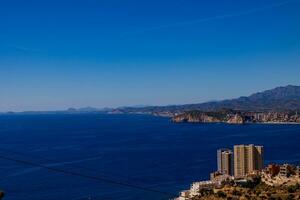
(260, 192)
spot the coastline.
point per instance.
(171, 117)
(246, 123)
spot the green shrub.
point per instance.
(290, 197)
(221, 194)
(236, 193)
(292, 189)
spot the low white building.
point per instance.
(184, 195)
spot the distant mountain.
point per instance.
(278, 99)
(68, 111)
(84, 109)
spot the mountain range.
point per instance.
(278, 99)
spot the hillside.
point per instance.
(277, 99)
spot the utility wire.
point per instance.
(103, 173)
(96, 178)
(57, 161)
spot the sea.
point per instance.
(122, 157)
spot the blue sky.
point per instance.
(60, 54)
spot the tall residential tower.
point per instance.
(247, 158)
(225, 160)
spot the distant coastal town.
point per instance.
(241, 175)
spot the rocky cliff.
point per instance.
(237, 117)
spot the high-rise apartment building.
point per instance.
(247, 158)
(225, 161)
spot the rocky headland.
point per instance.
(237, 117)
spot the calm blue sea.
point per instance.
(141, 150)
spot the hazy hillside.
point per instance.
(278, 99)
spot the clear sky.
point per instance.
(60, 54)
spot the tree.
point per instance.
(1, 195)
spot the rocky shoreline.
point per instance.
(238, 117)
